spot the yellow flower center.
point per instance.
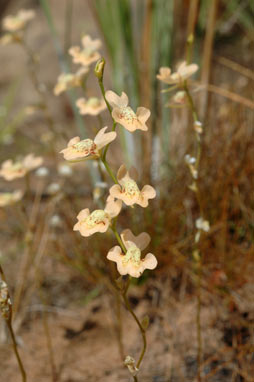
(88, 51)
(130, 188)
(132, 256)
(128, 114)
(96, 217)
(67, 78)
(87, 147)
(93, 102)
(16, 167)
(6, 197)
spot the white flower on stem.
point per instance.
(183, 72)
(127, 189)
(88, 54)
(7, 198)
(87, 148)
(124, 115)
(191, 164)
(131, 262)
(92, 106)
(202, 224)
(131, 364)
(68, 81)
(198, 127)
(98, 220)
(11, 170)
(18, 22)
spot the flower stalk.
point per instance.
(6, 311)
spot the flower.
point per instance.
(127, 190)
(202, 224)
(99, 220)
(8, 38)
(123, 114)
(18, 22)
(11, 170)
(183, 72)
(7, 198)
(88, 148)
(191, 162)
(88, 54)
(68, 80)
(92, 106)
(131, 364)
(131, 262)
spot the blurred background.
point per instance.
(70, 324)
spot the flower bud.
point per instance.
(5, 301)
(99, 68)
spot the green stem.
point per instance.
(100, 80)
(110, 172)
(142, 331)
(118, 238)
(199, 273)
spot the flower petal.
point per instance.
(150, 261)
(141, 241)
(115, 101)
(143, 114)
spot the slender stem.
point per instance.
(118, 238)
(191, 103)
(142, 331)
(7, 315)
(199, 261)
(110, 172)
(100, 80)
(103, 95)
(21, 367)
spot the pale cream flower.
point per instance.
(87, 148)
(8, 38)
(131, 262)
(88, 54)
(67, 81)
(183, 72)
(7, 198)
(11, 170)
(123, 114)
(127, 190)
(98, 220)
(18, 22)
(202, 224)
(91, 106)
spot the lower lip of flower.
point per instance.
(130, 188)
(87, 147)
(132, 256)
(128, 114)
